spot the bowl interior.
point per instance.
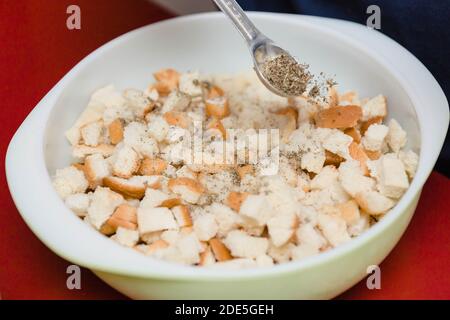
(211, 45)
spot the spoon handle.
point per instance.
(246, 28)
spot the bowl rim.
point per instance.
(169, 270)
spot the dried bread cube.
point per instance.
(138, 102)
(396, 137)
(281, 254)
(96, 168)
(182, 216)
(352, 179)
(132, 188)
(333, 228)
(338, 117)
(91, 133)
(167, 80)
(375, 107)
(235, 264)
(69, 181)
(349, 211)
(207, 257)
(374, 137)
(205, 227)
(281, 227)
(125, 216)
(78, 203)
(189, 190)
(126, 237)
(244, 246)
(323, 179)
(126, 162)
(227, 219)
(185, 250)
(220, 251)
(393, 180)
(115, 131)
(264, 261)
(157, 127)
(374, 202)
(155, 219)
(307, 234)
(338, 142)
(102, 206)
(153, 198)
(313, 161)
(410, 160)
(136, 136)
(190, 84)
(256, 209)
(303, 251)
(81, 151)
(176, 101)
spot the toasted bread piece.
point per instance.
(115, 130)
(124, 216)
(235, 199)
(366, 124)
(217, 125)
(354, 133)
(171, 202)
(358, 153)
(374, 202)
(221, 252)
(167, 80)
(349, 211)
(152, 166)
(157, 245)
(179, 119)
(182, 216)
(132, 188)
(207, 257)
(242, 171)
(155, 219)
(189, 190)
(332, 159)
(216, 104)
(81, 150)
(126, 163)
(339, 117)
(95, 169)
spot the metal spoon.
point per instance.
(261, 47)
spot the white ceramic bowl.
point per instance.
(365, 61)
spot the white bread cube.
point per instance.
(281, 254)
(349, 211)
(327, 176)
(155, 219)
(205, 227)
(189, 190)
(352, 179)
(257, 209)
(157, 127)
(126, 237)
(358, 227)
(190, 84)
(244, 246)
(226, 218)
(176, 101)
(68, 181)
(313, 161)
(153, 198)
(396, 137)
(151, 237)
(281, 227)
(374, 137)
(96, 168)
(170, 236)
(126, 162)
(103, 203)
(338, 142)
(81, 151)
(92, 133)
(375, 107)
(303, 251)
(185, 172)
(373, 202)
(307, 234)
(410, 160)
(137, 136)
(234, 264)
(78, 203)
(393, 180)
(182, 216)
(186, 250)
(207, 257)
(138, 102)
(264, 261)
(333, 228)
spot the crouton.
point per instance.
(281, 227)
(396, 137)
(339, 117)
(157, 245)
(374, 202)
(358, 154)
(138, 102)
(215, 124)
(313, 161)
(338, 143)
(78, 203)
(205, 227)
(242, 245)
(81, 151)
(333, 228)
(175, 102)
(332, 159)
(303, 251)
(179, 119)
(221, 252)
(257, 209)
(189, 190)
(226, 218)
(325, 178)
(133, 188)
(157, 127)
(216, 104)
(352, 178)
(242, 171)
(354, 133)
(171, 202)
(307, 234)
(349, 211)
(115, 130)
(126, 237)
(152, 166)
(410, 160)
(69, 181)
(366, 124)
(374, 137)
(375, 107)
(126, 162)
(103, 203)
(91, 133)
(182, 216)
(155, 219)
(393, 180)
(190, 84)
(154, 198)
(136, 136)
(281, 254)
(125, 216)
(207, 257)
(167, 80)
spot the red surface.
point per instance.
(36, 50)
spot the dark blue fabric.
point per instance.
(421, 26)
